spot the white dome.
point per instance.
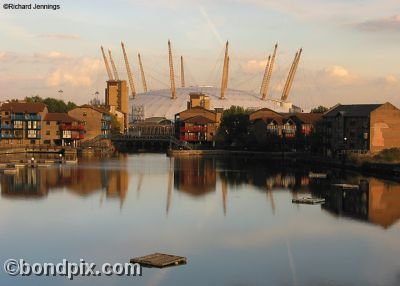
(158, 103)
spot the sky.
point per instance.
(350, 47)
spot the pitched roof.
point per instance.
(353, 110)
(307, 118)
(198, 120)
(59, 116)
(23, 107)
(98, 109)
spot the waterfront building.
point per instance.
(197, 123)
(21, 123)
(96, 120)
(116, 98)
(305, 122)
(361, 128)
(61, 129)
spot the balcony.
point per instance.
(79, 127)
(194, 129)
(32, 117)
(105, 127)
(6, 126)
(106, 117)
(105, 136)
(189, 138)
(6, 136)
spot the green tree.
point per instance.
(234, 127)
(53, 104)
(319, 109)
(115, 125)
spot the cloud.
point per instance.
(7, 56)
(254, 66)
(391, 79)
(51, 56)
(337, 71)
(389, 24)
(77, 73)
(60, 36)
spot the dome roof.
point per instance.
(158, 103)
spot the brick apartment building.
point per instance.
(361, 127)
(197, 123)
(97, 121)
(21, 123)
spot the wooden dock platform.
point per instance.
(310, 201)
(159, 260)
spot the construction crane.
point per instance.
(113, 66)
(128, 71)
(142, 73)
(268, 78)
(224, 82)
(291, 75)
(171, 72)
(110, 76)
(182, 74)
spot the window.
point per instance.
(32, 133)
(6, 112)
(57, 132)
(18, 124)
(47, 122)
(29, 124)
(66, 134)
(84, 114)
(48, 132)
(46, 142)
(33, 141)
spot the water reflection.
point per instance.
(375, 201)
(82, 180)
(372, 200)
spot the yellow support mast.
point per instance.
(110, 76)
(292, 72)
(128, 71)
(113, 66)
(270, 68)
(224, 72)
(182, 74)
(142, 73)
(171, 72)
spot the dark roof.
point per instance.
(353, 110)
(198, 120)
(23, 107)
(307, 118)
(59, 116)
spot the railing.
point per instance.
(33, 117)
(106, 117)
(193, 129)
(189, 138)
(6, 136)
(105, 127)
(6, 126)
(104, 136)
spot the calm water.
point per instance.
(233, 220)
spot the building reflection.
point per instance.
(80, 180)
(374, 201)
(195, 176)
